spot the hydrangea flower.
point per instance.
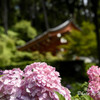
(41, 82)
(1, 72)
(38, 81)
(9, 83)
(94, 82)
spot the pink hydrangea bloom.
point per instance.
(9, 83)
(38, 81)
(41, 82)
(94, 82)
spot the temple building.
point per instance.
(50, 40)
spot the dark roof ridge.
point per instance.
(64, 24)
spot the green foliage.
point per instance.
(61, 97)
(83, 97)
(8, 53)
(21, 56)
(7, 42)
(86, 97)
(12, 34)
(1, 75)
(79, 88)
(82, 43)
(25, 31)
(87, 66)
(20, 42)
(7, 48)
(38, 56)
(81, 93)
(77, 97)
(4, 60)
(50, 57)
(1, 30)
(9, 56)
(15, 36)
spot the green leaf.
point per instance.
(1, 75)
(75, 97)
(61, 97)
(86, 97)
(83, 97)
(72, 98)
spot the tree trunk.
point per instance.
(95, 9)
(45, 14)
(5, 16)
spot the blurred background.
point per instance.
(34, 30)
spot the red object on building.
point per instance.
(50, 39)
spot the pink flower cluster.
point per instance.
(9, 83)
(38, 81)
(94, 82)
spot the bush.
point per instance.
(80, 46)
(25, 31)
(4, 61)
(9, 56)
(1, 30)
(8, 43)
(6, 50)
(38, 56)
(21, 56)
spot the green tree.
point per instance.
(82, 43)
(25, 31)
(7, 48)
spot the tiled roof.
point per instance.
(49, 30)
